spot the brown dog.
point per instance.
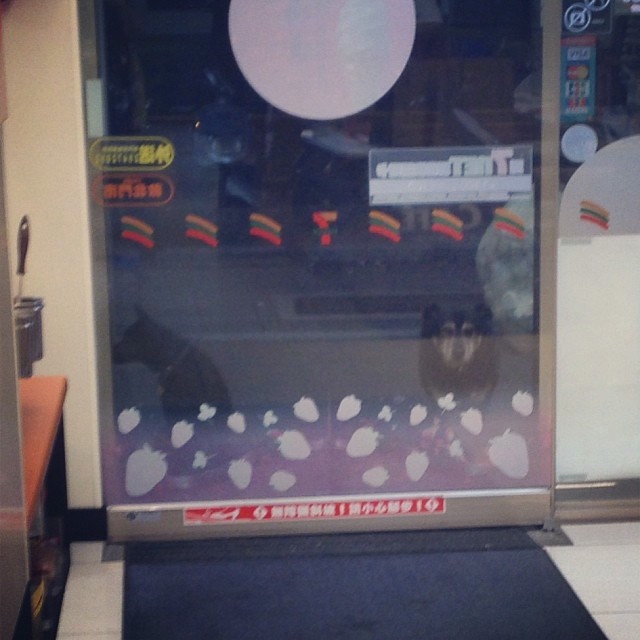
(457, 353)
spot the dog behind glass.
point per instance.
(457, 352)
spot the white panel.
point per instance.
(598, 384)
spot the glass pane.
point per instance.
(598, 376)
(324, 297)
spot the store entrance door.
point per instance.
(322, 229)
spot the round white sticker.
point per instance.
(579, 143)
(322, 60)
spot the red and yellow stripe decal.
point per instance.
(446, 223)
(201, 229)
(384, 225)
(137, 231)
(264, 227)
(510, 222)
(594, 213)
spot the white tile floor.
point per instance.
(602, 566)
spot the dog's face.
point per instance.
(457, 343)
(458, 336)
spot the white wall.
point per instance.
(45, 178)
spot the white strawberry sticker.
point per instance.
(145, 469)
(416, 464)
(200, 460)
(240, 472)
(522, 403)
(236, 422)
(375, 477)
(282, 480)
(363, 442)
(349, 407)
(305, 409)
(293, 445)
(206, 412)
(471, 420)
(128, 420)
(456, 450)
(447, 402)
(269, 419)
(181, 433)
(509, 453)
(418, 415)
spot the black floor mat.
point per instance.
(440, 540)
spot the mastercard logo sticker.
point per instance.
(578, 72)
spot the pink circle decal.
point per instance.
(322, 59)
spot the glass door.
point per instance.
(322, 233)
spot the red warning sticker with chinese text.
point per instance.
(313, 510)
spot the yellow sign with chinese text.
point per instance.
(135, 153)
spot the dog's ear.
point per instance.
(431, 321)
(483, 319)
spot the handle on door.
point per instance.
(23, 244)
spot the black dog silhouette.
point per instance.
(187, 377)
(457, 353)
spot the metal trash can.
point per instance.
(27, 312)
(28, 328)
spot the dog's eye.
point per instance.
(448, 330)
(468, 330)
